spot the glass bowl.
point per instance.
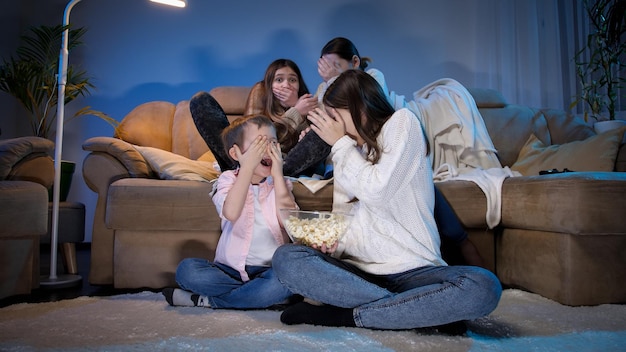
(315, 228)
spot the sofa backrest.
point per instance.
(170, 127)
(166, 126)
(232, 99)
(149, 125)
(511, 125)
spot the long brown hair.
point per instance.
(287, 135)
(362, 96)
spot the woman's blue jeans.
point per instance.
(421, 297)
(224, 288)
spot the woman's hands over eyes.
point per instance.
(327, 69)
(329, 128)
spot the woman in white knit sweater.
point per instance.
(387, 271)
(339, 55)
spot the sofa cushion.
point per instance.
(232, 99)
(487, 98)
(171, 166)
(565, 127)
(467, 200)
(186, 139)
(151, 204)
(573, 202)
(509, 128)
(149, 124)
(597, 153)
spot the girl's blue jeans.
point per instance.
(224, 288)
(421, 297)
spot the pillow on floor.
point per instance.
(171, 166)
(597, 153)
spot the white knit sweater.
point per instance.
(393, 229)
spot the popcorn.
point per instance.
(314, 231)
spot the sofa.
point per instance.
(561, 235)
(26, 173)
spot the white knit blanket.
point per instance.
(490, 182)
(459, 141)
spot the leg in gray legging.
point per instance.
(308, 152)
(210, 120)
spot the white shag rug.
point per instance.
(144, 322)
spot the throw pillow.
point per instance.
(597, 153)
(171, 166)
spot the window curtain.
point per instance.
(534, 43)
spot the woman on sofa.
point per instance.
(386, 272)
(284, 97)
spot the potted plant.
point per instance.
(599, 64)
(31, 77)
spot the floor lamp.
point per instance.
(55, 280)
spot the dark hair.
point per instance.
(362, 96)
(272, 107)
(233, 133)
(345, 49)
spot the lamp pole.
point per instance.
(54, 279)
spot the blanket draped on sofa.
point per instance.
(460, 144)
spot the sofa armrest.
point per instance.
(109, 160)
(27, 159)
(124, 152)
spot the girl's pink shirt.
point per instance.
(234, 243)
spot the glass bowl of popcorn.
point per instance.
(315, 228)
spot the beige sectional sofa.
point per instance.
(561, 235)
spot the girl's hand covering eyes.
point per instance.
(327, 69)
(329, 128)
(254, 154)
(273, 149)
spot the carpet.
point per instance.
(144, 322)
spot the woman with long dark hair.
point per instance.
(386, 272)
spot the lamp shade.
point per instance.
(177, 3)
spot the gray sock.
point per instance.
(307, 153)
(200, 301)
(182, 298)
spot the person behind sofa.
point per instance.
(284, 97)
(247, 200)
(386, 272)
(339, 55)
